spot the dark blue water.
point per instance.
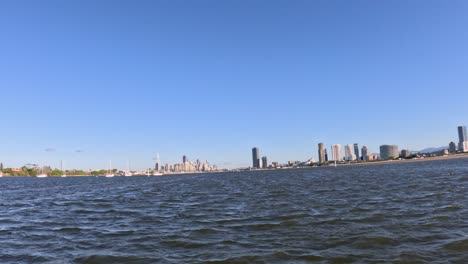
(412, 212)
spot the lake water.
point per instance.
(406, 212)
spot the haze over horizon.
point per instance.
(89, 81)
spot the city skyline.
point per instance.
(351, 153)
(89, 82)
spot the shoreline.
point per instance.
(361, 163)
(449, 157)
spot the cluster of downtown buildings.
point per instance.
(185, 166)
(353, 153)
(257, 162)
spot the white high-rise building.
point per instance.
(336, 152)
(349, 156)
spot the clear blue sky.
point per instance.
(211, 79)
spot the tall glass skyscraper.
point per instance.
(365, 153)
(462, 136)
(336, 152)
(255, 157)
(264, 162)
(321, 152)
(349, 156)
(463, 139)
(356, 151)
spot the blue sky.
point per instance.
(123, 80)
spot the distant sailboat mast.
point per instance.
(62, 169)
(109, 173)
(42, 174)
(128, 172)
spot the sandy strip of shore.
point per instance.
(454, 156)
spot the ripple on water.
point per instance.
(367, 242)
(405, 212)
(459, 245)
(99, 259)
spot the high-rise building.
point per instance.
(326, 155)
(184, 159)
(356, 151)
(260, 163)
(336, 152)
(322, 152)
(462, 139)
(255, 157)
(264, 162)
(405, 153)
(156, 166)
(452, 147)
(365, 153)
(462, 136)
(389, 152)
(348, 152)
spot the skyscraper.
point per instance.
(264, 162)
(184, 159)
(405, 153)
(255, 157)
(321, 153)
(389, 152)
(452, 147)
(336, 152)
(356, 151)
(365, 153)
(349, 156)
(462, 136)
(462, 139)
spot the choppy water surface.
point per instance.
(414, 212)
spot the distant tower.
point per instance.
(349, 156)
(462, 136)
(336, 152)
(255, 157)
(157, 166)
(322, 152)
(264, 162)
(259, 163)
(326, 155)
(365, 153)
(463, 139)
(405, 153)
(184, 159)
(452, 147)
(356, 151)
